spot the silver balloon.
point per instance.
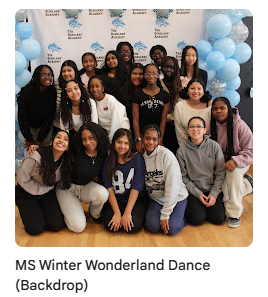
(17, 40)
(217, 86)
(239, 32)
(21, 15)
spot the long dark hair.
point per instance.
(47, 168)
(129, 89)
(184, 65)
(205, 98)
(118, 48)
(112, 164)
(66, 105)
(72, 64)
(230, 142)
(175, 85)
(103, 143)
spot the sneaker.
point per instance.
(233, 222)
(249, 178)
(98, 220)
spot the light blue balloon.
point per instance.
(232, 96)
(204, 48)
(242, 52)
(23, 79)
(245, 12)
(25, 30)
(30, 48)
(219, 26)
(17, 126)
(20, 62)
(225, 45)
(235, 15)
(215, 60)
(203, 65)
(234, 84)
(230, 70)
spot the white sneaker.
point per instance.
(233, 222)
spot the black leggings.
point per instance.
(39, 212)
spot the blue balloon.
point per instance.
(204, 48)
(17, 89)
(242, 52)
(215, 60)
(23, 79)
(30, 48)
(219, 26)
(230, 70)
(17, 126)
(20, 62)
(245, 12)
(232, 96)
(234, 84)
(25, 30)
(235, 15)
(225, 45)
(203, 65)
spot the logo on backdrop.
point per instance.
(118, 23)
(139, 58)
(180, 46)
(74, 24)
(161, 22)
(53, 47)
(140, 46)
(97, 47)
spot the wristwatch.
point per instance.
(137, 139)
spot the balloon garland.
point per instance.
(223, 52)
(26, 49)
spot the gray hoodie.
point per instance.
(202, 167)
(163, 180)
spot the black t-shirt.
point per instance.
(150, 107)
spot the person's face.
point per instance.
(196, 91)
(45, 77)
(96, 89)
(151, 74)
(136, 76)
(89, 141)
(168, 69)
(190, 57)
(220, 112)
(121, 146)
(67, 73)
(111, 61)
(61, 142)
(196, 130)
(150, 141)
(73, 91)
(158, 56)
(125, 53)
(89, 63)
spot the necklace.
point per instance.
(111, 74)
(93, 159)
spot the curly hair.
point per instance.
(118, 48)
(47, 168)
(66, 105)
(72, 64)
(205, 98)
(103, 144)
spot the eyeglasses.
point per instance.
(195, 127)
(46, 75)
(150, 74)
(125, 52)
(158, 55)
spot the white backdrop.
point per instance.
(95, 30)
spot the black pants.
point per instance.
(39, 212)
(197, 213)
(138, 213)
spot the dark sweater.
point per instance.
(36, 109)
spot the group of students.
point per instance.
(135, 148)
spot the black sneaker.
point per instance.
(249, 178)
(98, 220)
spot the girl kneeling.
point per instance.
(123, 176)
(164, 185)
(201, 160)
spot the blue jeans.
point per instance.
(176, 219)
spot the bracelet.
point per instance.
(137, 139)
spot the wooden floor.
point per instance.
(207, 235)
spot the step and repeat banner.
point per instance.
(98, 31)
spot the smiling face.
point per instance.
(89, 141)
(89, 63)
(158, 56)
(195, 91)
(111, 61)
(190, 57)
(168, 69)
(151, 74)
(73, 91)
(125, 53)
(67, 73)
(136, 76)
(196, 131)
(45, 77)
(220, 112)
(96, 89)
(121, 146)
(60, 142)
(150, 141)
